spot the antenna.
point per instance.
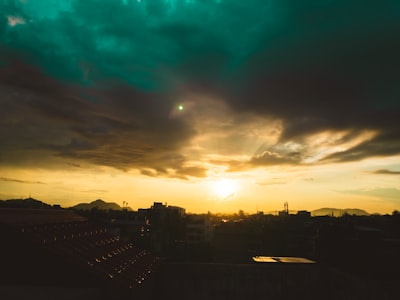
(286, 207)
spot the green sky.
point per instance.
(285, 100)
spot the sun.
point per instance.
(225, 189)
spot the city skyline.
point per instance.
(209, 105)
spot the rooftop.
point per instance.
(282, 259)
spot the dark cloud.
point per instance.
(380, 146)
(332, 66)
(95, 81)
(122, 127)
(268, 158)
(180, 172)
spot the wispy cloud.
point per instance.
(95, 191)
(309, 179)
(386, 172)
(20, 181)
(274, 181)
(387, 193)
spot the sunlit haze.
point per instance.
(208, 105)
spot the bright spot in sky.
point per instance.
(180, 107)
(224, 189)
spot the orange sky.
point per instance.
(352, 185)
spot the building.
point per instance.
(50, 251)
(304, 214)
(199, 229)
(160, 227)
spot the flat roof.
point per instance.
(282, 259)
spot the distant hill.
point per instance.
(337, 212)
(99, 204)
(24, 203)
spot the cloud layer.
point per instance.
(262, 83)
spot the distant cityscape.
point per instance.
(101, 204)
(164, 239)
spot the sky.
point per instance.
(211, 105)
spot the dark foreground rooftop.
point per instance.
(57, 248)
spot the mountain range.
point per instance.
(99, 204)
(24, 203)
(34, 203)
(103, 205)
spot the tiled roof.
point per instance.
(77, 241)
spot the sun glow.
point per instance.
(225, 189)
